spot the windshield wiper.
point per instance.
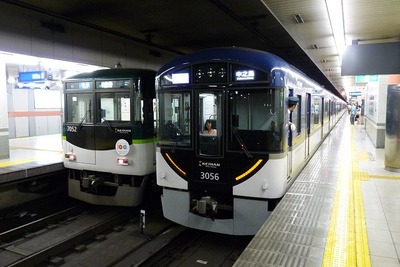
(81, 122)
(86, 113)
(242, 145)
(176, 140)
(108, 125)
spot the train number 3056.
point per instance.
(212, 176)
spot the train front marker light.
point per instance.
(70, 156)
(122, 161)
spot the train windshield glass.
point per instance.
(256, 119)
(113, 107)
(210, 122)
(174, 122)
(79, 108)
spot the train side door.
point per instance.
(322, 110)
(209, 172)
(290, 139)
(308, 125)
(330, 115)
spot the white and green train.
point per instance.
(108, 135)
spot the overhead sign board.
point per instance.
(367, 78)
(32, 76)
(355, 93)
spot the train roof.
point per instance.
(113, 74)
(247, 56)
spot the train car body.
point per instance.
(108, 135)
(230, 181)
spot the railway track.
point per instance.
(86, 235)
(100, 236)
(199, 248)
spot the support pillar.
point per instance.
(392, 140)
(4, 137)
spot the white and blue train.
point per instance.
(228, 180)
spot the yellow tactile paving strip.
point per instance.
(347, 241)
(16, 162)
(8, 163)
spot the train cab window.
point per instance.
(79, 108)
(114, 107)
(210, 123)
(256, 120)
(174, 127)
(295, 117)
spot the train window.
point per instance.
(175, 119)
(316, 108)
(256, 119)
(113, 107)
(298, 115)
(79, 108)
(326, 109)
(210, 123)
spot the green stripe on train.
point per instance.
(144, 141)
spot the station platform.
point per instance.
(32, 156)
(343, 210)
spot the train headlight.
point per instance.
(122, 161)
(70, 156)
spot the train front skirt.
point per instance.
(248, 214)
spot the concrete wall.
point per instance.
(21, 32)
(375, 111)
(4, 145)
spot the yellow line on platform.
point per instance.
(34, 149)
(384, 177)
(16, 162)
(347, 242)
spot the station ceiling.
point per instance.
(300, 32)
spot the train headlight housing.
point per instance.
(122, 161)
(70, 156)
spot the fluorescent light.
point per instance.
(335, 12)
(46, 62)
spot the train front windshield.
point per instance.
(211, 121)
(256, 120)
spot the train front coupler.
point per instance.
(206, 206)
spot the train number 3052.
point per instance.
(212, 176)
(72, 129)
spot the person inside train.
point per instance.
(292, 104)
(208, 128)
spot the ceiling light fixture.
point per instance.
(298, 19)
(46, 62)
(335, 12)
